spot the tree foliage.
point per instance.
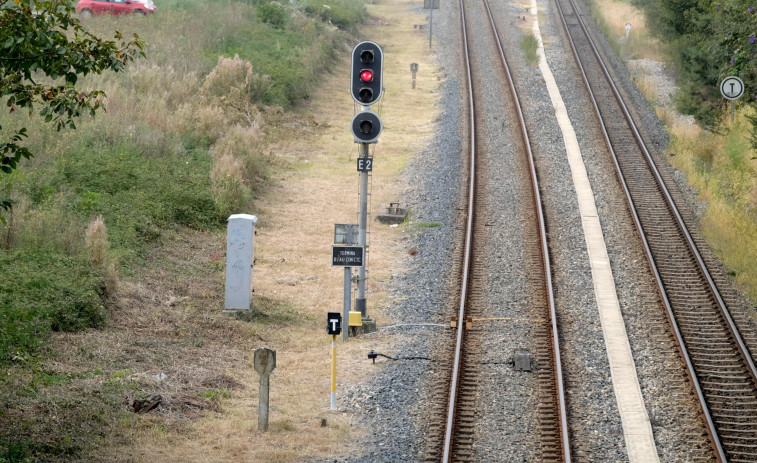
(734, 27)
(43, 51)
(707, 40)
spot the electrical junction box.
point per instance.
(356, 318)
(524, 361)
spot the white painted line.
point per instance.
(637, 430)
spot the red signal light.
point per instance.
(366, 75)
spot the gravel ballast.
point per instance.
(393, 406)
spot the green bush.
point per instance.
(43, 292)
(274, 14)
(146, 164)
(138, 195)
(345, 14)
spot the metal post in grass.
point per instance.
(362, 239)
(347, 298)
(265, 362)
(333, 328)
(430, 21)
(347, 256)
(345, 236)
(333, 372)
(732, 88)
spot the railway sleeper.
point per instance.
(722, 366)
(734, 430)
(751, 425)
(738, 438)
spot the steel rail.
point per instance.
(544, 248)
(711, 431)
(451, 406)
(671, 204)
(563, 414)
(741, 348)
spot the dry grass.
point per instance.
(167, 318)
(96, 240)
(615, 14)
(722, 169)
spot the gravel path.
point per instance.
(393, 405)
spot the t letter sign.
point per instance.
(334, 323)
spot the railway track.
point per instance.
(454, 440)
(718, 361)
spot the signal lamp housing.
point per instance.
(367, 73)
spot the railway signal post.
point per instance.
(366, 86)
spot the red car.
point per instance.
(87, 8)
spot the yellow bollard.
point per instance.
(333, 372)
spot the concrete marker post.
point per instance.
(264, 363)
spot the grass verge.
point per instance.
(722, 168)
(181, 128)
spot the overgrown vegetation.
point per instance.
(722, 168)
(530, 44)
(706, 41)
(43, 52)
(182, 145)
(612, 16)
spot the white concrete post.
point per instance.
(239, 258)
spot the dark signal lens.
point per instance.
(366, 56)
(366, 127)
(366, 94)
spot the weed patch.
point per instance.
(140, 195)
(45, 292)
(530, 44)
